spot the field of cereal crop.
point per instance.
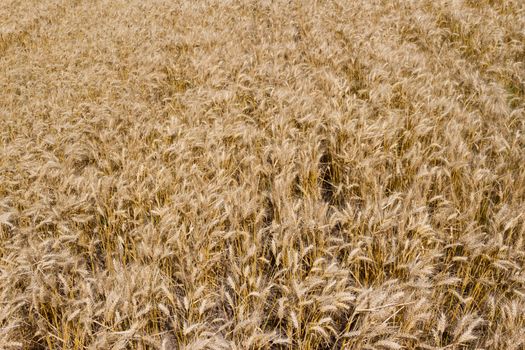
(256, 174)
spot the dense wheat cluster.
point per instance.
(262, 174)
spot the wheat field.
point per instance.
(232, 174)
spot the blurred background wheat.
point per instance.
(278, 174)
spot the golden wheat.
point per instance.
(229, 174)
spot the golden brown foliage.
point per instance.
(278, 174)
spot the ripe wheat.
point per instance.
(229, 174)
